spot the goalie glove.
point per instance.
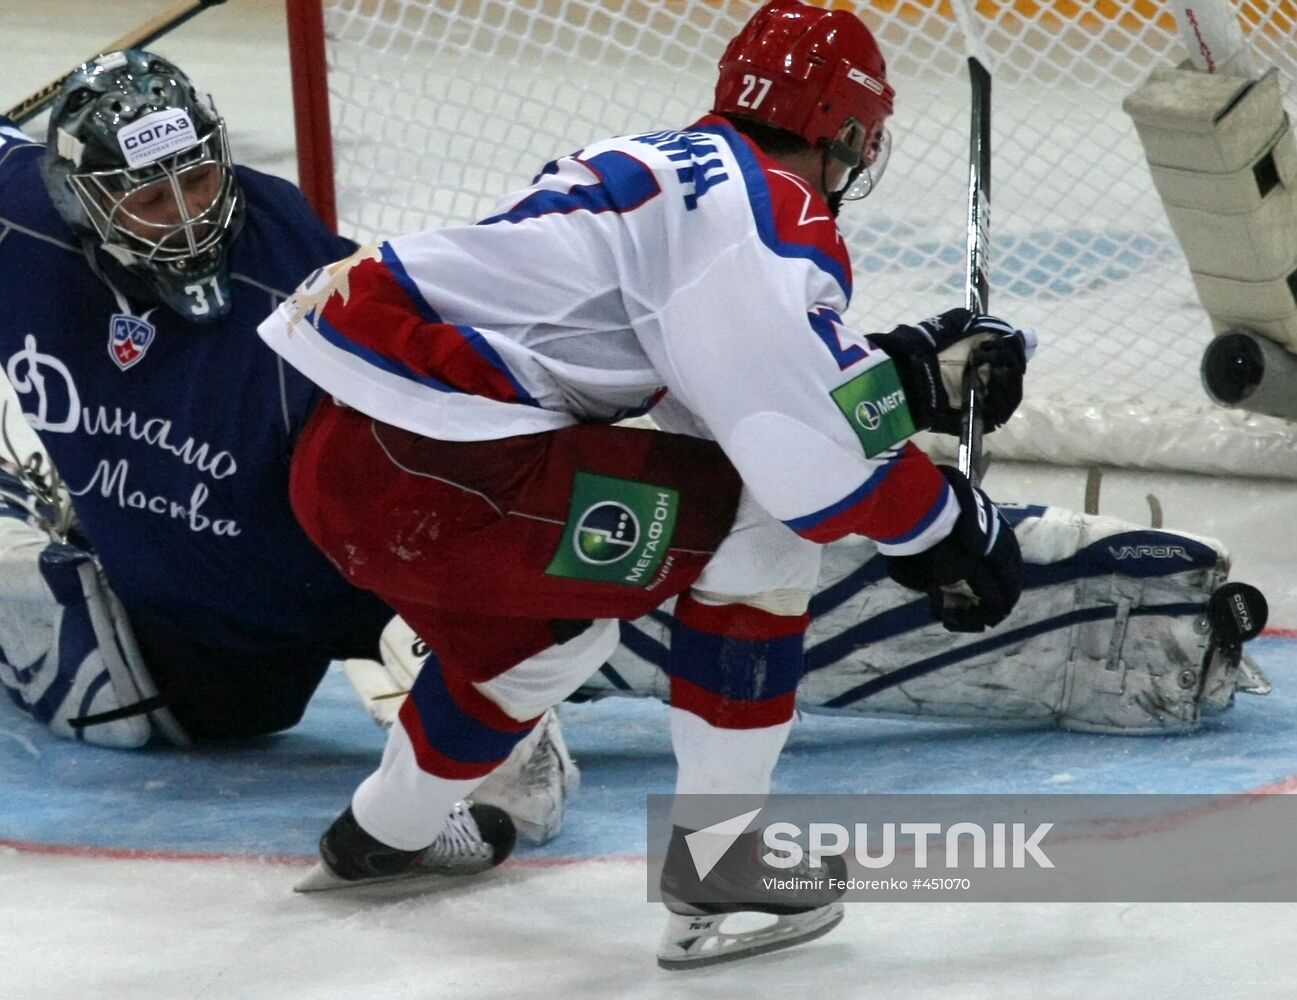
(932, 356)
(973, 576)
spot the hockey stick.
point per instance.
(977, 280)
(32, 105)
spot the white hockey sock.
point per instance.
(400, 803)
(714, 761)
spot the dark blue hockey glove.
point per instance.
(931, 383)
(973, 576)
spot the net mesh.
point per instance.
(441, 108)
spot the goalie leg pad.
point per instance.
(1111, 635)
(69, 657)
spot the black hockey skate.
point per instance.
(803, 899)
(476, 838)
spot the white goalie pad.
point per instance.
(1110, 635)
(67, 653)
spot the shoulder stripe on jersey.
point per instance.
(13, 141)
(758, 188)
(9, 224)
(550, 168)
(625, 185)
(277, 294)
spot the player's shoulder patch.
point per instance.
(874, 404)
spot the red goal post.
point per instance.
(420, 113)
(309, 64)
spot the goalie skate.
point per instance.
(694, 935)
(476, 838)
(535, 782)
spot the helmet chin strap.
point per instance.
(834, 198)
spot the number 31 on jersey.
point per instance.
(199, 295)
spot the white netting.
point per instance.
(440, 108)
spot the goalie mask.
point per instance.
(817, 74)
(137, 161)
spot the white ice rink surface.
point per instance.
(231, 931)
(96, 926)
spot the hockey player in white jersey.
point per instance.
(467, 471)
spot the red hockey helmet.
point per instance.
(818, 74)
(806, 70)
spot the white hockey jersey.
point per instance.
(684, 264)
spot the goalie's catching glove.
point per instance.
(973, 576)
(931, 357)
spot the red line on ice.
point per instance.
(286, 860)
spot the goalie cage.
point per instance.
(413, 114)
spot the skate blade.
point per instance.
(1251, 678)
(696, 942)
(320, 879)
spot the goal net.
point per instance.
(438, 108)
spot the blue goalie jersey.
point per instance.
(174, 438)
